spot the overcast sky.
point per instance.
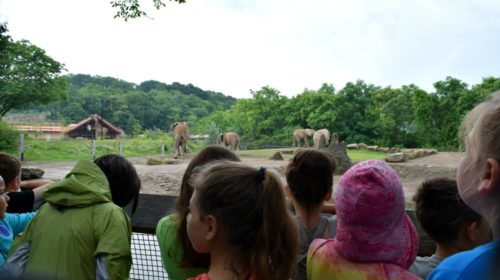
(234, 46)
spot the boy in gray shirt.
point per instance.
(448, 221)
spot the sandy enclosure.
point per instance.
(166, 178)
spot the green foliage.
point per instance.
(28, 77)
(151, 105)
(213, 133)
(72, 150)
(8, 138)
(359, 112)
(130, 9)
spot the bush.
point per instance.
(8, 138)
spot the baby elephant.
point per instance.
(230, 139)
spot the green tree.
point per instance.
(74, 113)
(129, 9)
(8, 138)
(28, 76)
(424, 108)
(354, 114)
(394, 108)
(449, 110)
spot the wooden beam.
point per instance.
(152, 208)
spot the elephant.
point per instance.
(181, 136)
(300, 134)
(321, 138)
(230, 139)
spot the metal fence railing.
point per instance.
(147, 263)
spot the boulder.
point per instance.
(395, 157)
(393, 150)
(353, 146)
(372, 148)
(383, 149)
(277, 156)
(154, 161)
(339, 153)
(362, 146)
(31, 173)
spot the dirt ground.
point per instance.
(165, 179)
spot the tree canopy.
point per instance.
(28, 77)
(130, 9)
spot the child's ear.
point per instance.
(212, 228)
(491, 176)
(328, 196)
(13, 185)
(288, 192)
(478, 232)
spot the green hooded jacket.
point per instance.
(79, 233)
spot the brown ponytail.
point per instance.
(251, 207)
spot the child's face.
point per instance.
(468, 180)
(3, 201)
(197, 228)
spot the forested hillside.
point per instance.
(359, 112)
(134, 108)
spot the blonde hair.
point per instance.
(482, 127)
(252, 210)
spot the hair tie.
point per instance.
(261, 174)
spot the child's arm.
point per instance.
(19, 221)
(35, 183)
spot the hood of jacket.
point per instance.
(83, 186)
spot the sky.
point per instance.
(236, 46)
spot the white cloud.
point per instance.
(233, 46)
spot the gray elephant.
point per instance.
(181, 136)
(230, 139)
(300, 134)
(321, 138)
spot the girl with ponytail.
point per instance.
(239, 215)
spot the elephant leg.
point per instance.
(306, 141)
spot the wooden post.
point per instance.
(93, 149)
(120, 148)
(21, 147)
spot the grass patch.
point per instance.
(72, 150)
(361, 155)
(355, 155)
(264, 153)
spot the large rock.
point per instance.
(396, 157)
(277, 156)
(342, 160)
(31, 173)
(372, 148)
(362, 146)
(353, 146)
(154, 161)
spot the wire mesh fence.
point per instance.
(146, 258)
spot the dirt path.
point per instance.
(166, 178)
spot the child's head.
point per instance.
(243, 209)
(123, 180)
(446, 218)
(208, 154)
(309, 176)
(3, 199)
(478, 173)
(372, 225)
(10, 170)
